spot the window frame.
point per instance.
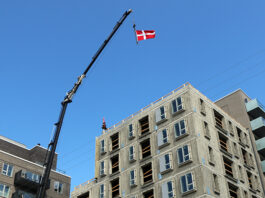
(102, 147)
(132, 155)
(7, 172)
(178, 107)
(4, 193)
(133, 180)
(102, 191)
(131, 134)
(187, 184)
(161, 114)
(162, 137)
(181, 149)
(165, 163)
(180, 129)
(102, 169)
(59, 189)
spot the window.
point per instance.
(7, 170)
(102, 147)
(4, 190)
(231, 129)
(228, 164)
(31, 176)
(180, 128)
(115, 141)
(233, 191)
(58, 187)
(202, 107)
(223, 142)
(246, 140)
(257, 186)
(102, 191)
(165, 162)
(187, 183)
(131, 131)
(147, 173)
(144, 125)
(236, 150)
(23, 194)
(131, 153)
(184, 154)
(162, 137)
(219, 120)
(160, 114)
(250, 180)
(240, 135)
(176, 105)
(115, 164)
(133, 178)
(211, 156)
(216, 185)
(206, 130)
(241, 174)
(102, 168)
(245, 157)
(146, 148)
(168, 190)
(115, 186)
(251, 161)
(149, 194)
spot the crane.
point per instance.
(68, 99)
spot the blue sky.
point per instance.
(217, 46)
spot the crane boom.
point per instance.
(68, 99)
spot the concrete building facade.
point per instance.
(251, 114)
(21, 171)
(182, 145)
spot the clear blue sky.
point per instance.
(218, 46)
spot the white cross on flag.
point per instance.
(144, 34)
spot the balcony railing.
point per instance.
(260, 144)
(28, 180)
(258, 126)
(263, 166)
(255, 109)
(23, 194)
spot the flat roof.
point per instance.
(12, 142)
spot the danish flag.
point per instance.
(144, 34)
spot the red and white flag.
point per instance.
(144, 34)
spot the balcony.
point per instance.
(258, 127)
(260, 144)
(28, 180)
(255, 109)
(20, 193)
(263, 166)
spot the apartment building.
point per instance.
(182, 145)
(251, 114)
(21, 171)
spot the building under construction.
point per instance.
(182, 145)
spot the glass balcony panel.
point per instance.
(260, 144)
(255, 109)
(263, 166)
(258, 127)
(23, 194)
(29, 181)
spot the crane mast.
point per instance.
(68, 99)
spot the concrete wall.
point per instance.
(19, 163)
(199, 166)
